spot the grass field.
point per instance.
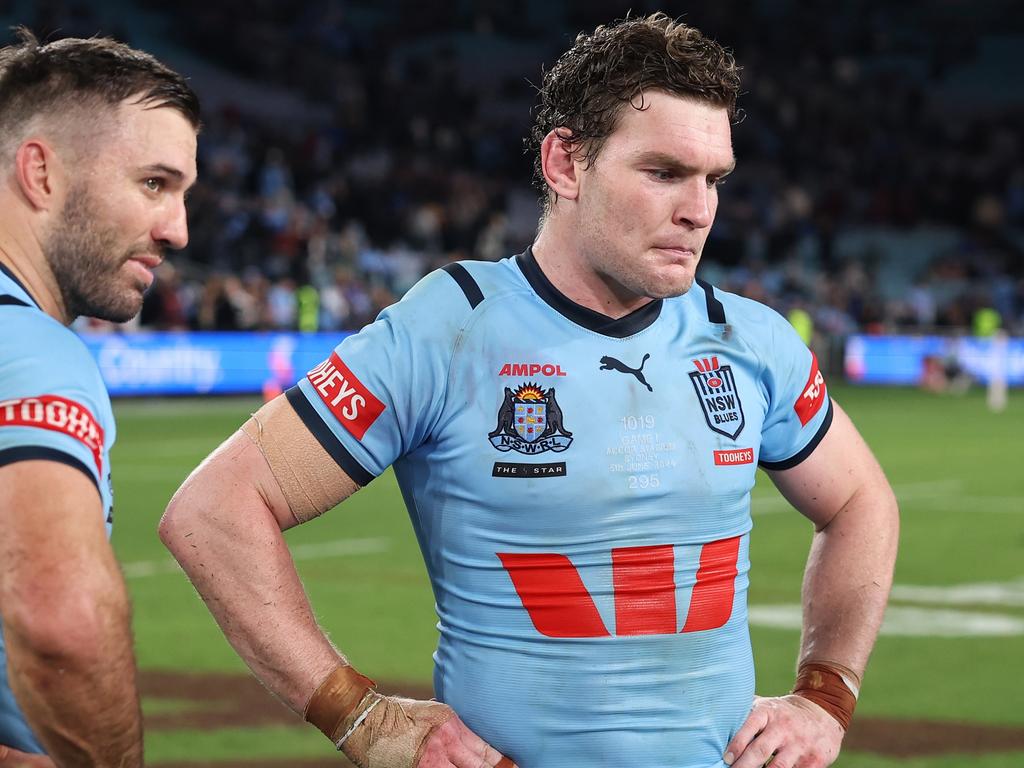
(952, 650)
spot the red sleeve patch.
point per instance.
(347, 398)
(813, 396)
(57, 414)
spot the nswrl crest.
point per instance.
(530, 421)
(716, 390)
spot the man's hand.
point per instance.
(419, 734)
(12, 758)
(796, 731)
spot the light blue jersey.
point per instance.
(53, 406)
(580, 487)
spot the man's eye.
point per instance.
(154, 184)
(715, 181)
(660, 174)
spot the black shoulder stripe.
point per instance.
(42, 453)
(466, 282)
(808, 449)
(716, 312)
(315, 424)
(13, 301)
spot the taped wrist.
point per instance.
(335, 701)
(831, 686)
(373, 731)
(394, 732)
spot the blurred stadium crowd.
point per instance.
(350, 147)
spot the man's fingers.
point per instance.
(759, 751)
(453, 744)
(485, 755)
(785, 732)
(753, 725)
(786, 757)
(474, 752)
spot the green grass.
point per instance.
(233, 744)
(957, 470)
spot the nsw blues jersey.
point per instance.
(54, 407)
(580, 487)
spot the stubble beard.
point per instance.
(627, 272)
(634, 278)
(84, 258)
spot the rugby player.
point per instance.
(576, 432)
(98, 146)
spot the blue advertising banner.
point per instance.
(907, 359)
(154, 363)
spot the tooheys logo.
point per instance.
(813, 396)
(347, 398)
(733, 458)
(57, 414)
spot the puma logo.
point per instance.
(611, 364)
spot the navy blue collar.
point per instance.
(618, 328)
(7, 271)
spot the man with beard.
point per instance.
(98, 147)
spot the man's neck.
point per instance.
(562, 264)
(29, 267)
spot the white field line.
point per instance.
(906, 622)
(1006, 593)
(916, 621)
(337, 548)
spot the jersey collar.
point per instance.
(618, 328)
(17, 282)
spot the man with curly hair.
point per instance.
(576, 431)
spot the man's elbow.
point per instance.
(75, 628)
(180, 517)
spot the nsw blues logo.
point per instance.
(530, 421)
(716, 391)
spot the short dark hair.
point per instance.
(587, 88)
(96, 72)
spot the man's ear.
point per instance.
(558, 163)
(39, 173)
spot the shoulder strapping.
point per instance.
(7, 299)
(466, 282)
(716, 311)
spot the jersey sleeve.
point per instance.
(381, 391)
(52, 399)
(799, 407)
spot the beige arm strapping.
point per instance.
(310, 479)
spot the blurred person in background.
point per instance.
(98, 147)
(589, 552)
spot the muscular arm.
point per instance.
(842, 490)
(66, 618)
(224, 527)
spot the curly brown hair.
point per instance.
(586, 90)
